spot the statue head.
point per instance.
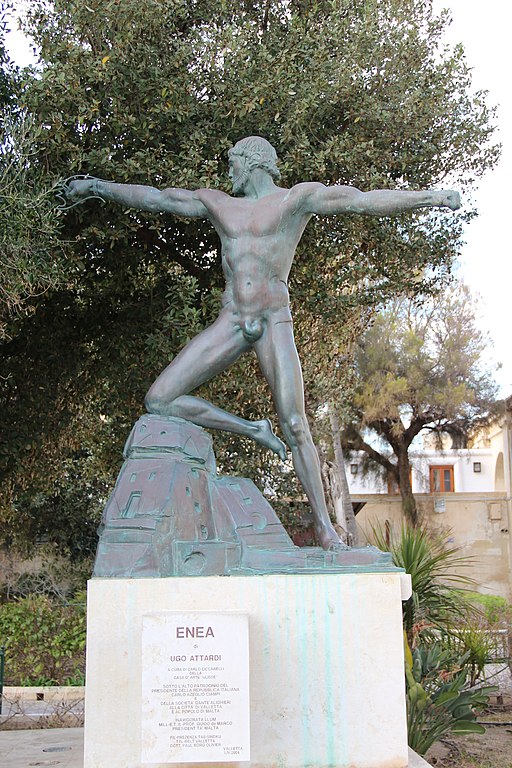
(256, 153)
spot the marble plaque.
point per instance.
(195, 687)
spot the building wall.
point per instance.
(476, 516)
(478, 523)
(466, 480)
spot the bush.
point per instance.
(496, 610)
(44, 641)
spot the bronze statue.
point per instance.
(259, 229)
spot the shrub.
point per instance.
(44, 641)
(497, 610)
(445, 646)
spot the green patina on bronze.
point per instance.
(259, 229)
(172, 514)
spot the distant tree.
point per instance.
(419, 367)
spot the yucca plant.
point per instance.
(434, 569)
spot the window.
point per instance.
(441, 479)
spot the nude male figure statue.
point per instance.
(259, 229)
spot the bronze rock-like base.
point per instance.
(171, 514)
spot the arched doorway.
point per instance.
(499, 474)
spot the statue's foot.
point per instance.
(338, 546)
(329, 539)
(265, 436)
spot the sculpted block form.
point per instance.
(325, 658)
(171, 514)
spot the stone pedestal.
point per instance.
(325, 657)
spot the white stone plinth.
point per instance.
(325, 656)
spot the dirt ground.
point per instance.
(492, 749)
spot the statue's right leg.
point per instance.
(280, 364)
(208, 354)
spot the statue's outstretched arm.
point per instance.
(181, 202)
(329, 201)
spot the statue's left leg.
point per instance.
(280, 364)
(206, 355)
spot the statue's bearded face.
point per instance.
(239, 172)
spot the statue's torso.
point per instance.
(258, 239)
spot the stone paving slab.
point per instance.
(59, 747)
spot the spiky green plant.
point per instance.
(434, 567)
(441, 665)
(439, 699)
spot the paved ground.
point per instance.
(63, 748)
(59, 747)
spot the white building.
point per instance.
(465, 493)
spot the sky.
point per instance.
(485, 257)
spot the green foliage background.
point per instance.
(155, 92)
(44, 641)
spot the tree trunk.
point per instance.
(343, 509)
(404, 478)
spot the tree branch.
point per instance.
(356, 442)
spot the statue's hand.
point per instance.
(76, 189)
(73, 190)
(450, 199)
